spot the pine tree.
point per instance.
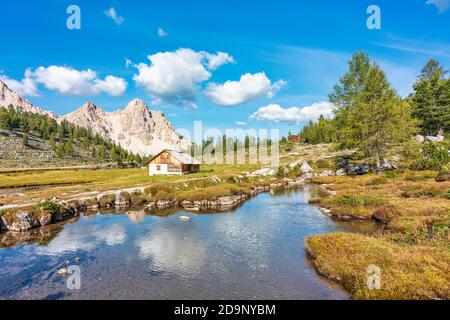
(431, 98)
(377, 118)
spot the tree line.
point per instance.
(64, 136)
(370, 116)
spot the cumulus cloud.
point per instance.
(218, 59)
(241, 123)
(249, 87)
(25, 87)
(112, 13)
(162, 33)
(276, 113)
(175, 77)
(441, 5)
(69, 81)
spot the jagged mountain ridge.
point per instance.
(10, 98)
(135, 128)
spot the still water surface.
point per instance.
(254, 252)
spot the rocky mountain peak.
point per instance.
(136, 104)
(11, 98)
(135, 128)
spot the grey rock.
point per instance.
(358, 169)
(306, 168)
(23, 221)
(419, 138)
(45, 219)
(327, 173)
(434, 139)
(2, 225)
(386, 165)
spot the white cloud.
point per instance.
(241, 123)
(276, 113)
(112, 13)
(441, 5)
(218, 59)
(162, 33)
(249, 87)
(175, 77)
(25, 87)
(69, 81)
(128, 62)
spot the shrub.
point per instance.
(161, 196)
(418, 191)
(50, 207)
(443, 175)
(447, 194)
(137, 198)
(432, 157)
(107, 200)
(91, 202)
(125, 196)
(154, 189)
(359, 200)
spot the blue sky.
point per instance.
(292, 52)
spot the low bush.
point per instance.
(50, 207)
(107, 200)
(162, 196)
(443, 175)
(420, 191)
(125, 196)
(359, 200)
(432, 157)
(154, 189)
(137, 198)
(447, 194)
(213, 192)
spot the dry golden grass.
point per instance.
(412, 272)
(414, 250)
(31, 186)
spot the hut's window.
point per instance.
(158, 168)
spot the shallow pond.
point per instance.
(254, 252)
